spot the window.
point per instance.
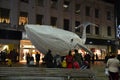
(40, 2)
(96, 13)
(87, 11)
(66, 5)
(96, 30)
(66, 24)
(4, 15)
(39, 19)
(54, 4)
(53, 21)
(26, 1)
(108, 15)
(77, 23)
(88, 29)
(23, 19)
(77, 8)
(109, 31)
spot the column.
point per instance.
(14, 13)
(32, 12)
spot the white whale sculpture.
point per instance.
(59, 41)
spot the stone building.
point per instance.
(64, 14)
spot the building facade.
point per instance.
(64, 14)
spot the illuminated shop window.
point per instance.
(4, 20)
(4, 15)
(23, 19)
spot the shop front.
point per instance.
(26, 47)
(99, 47)
(9, 40)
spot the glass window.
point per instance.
(40, 2)
(77, 8)
(23, 19)
(66, 24)
(108, 15)
(26, 1)
(87, 11)
(54, 4)
(88, 29)
(109, 31)
(66, 5)
(53, 21)
(39, 19)
(4, 15)
(96, 13)
(96, 30)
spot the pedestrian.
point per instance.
(69, 60)
(31, 63)
(63, 63)
(57, 61)
(37, 57)
(49, 59)
(87, 58)
(106, 58)
(75, 64)
(78, 57)
(113, 65)
(96, 56)
(27, 59)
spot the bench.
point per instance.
(36, 73)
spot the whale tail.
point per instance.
(84, 25)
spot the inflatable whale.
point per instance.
(59, 41)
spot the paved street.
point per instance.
(98, 69)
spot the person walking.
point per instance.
(78, 57)
(49, 59)
(27, 59)
(87, 58)
(69, 60)
(113, 65)
(37, 57)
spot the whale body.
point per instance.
(59, 41)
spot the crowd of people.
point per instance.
(72, 60)
(9, 58)
(30, 59)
